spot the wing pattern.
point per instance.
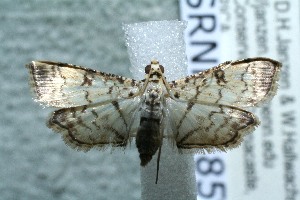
(200, 127)
(84, 127)
(242, 83)
(202, 112)
(65, 85)
(97, 109)
(206, 108)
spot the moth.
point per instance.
(204, 112)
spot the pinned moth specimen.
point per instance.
(200, 112)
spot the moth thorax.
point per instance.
(153, 96)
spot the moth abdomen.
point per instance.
(148, 139)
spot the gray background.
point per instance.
(34, 162)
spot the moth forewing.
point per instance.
(65, 85)
(243, 83)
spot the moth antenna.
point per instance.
(157, 166)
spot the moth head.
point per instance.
(154, 68)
